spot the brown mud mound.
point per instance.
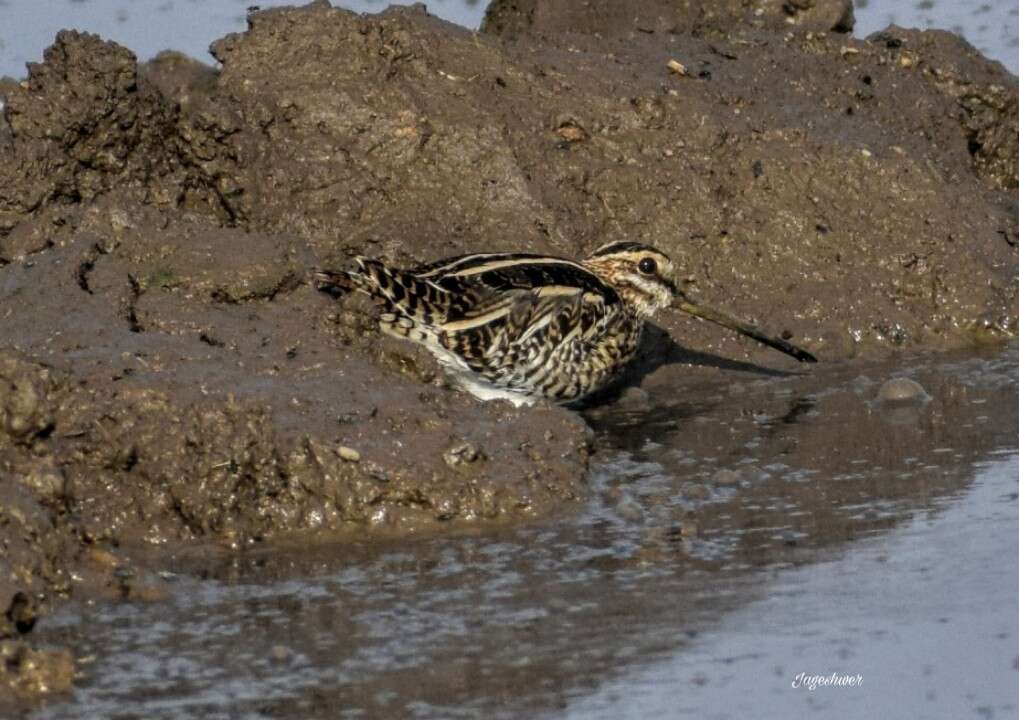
(166, 373)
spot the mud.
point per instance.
(167, 375)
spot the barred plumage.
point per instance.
(522, 326)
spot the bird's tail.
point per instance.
(403, 292)
(335, 282)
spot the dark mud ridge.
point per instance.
(167, 374)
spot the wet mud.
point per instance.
(167, 375)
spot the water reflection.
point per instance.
(793, 501)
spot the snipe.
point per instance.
(522, 326)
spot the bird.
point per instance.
(524, 326)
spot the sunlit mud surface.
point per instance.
(741, 529)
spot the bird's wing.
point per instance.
(483, 280)
(486, 309)
(498, 333)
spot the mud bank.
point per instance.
(167, 374)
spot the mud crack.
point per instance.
(87, 265)
(133, 324)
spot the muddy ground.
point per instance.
(167, 374)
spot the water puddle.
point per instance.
(741, 530)
(924, 618)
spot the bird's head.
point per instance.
(643, 276)
(646, 281)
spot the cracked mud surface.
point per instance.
(167, 375)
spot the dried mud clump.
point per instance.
(167, 374)
(611, 17)
(81, 126)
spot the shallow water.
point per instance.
(740, 530)
(927, 616)
(149, 26)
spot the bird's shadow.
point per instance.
(657, 348)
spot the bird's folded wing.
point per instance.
(482, 309)
(520, 314)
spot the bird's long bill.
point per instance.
(688, 306)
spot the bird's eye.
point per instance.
(647, 266)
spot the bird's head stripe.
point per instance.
(620, 246)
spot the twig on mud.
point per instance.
(456, 78)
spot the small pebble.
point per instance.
(380, 516)
(677, 67)
(725, 476)
(280, 654)
(460, 454)
(902, 389)
(696, 491)
(349, 454)
(629, 510)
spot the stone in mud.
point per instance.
(727, 476)
(280, 654)
(348, 454)
(461, 454)
(902, 390)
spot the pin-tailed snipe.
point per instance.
(521, 326)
